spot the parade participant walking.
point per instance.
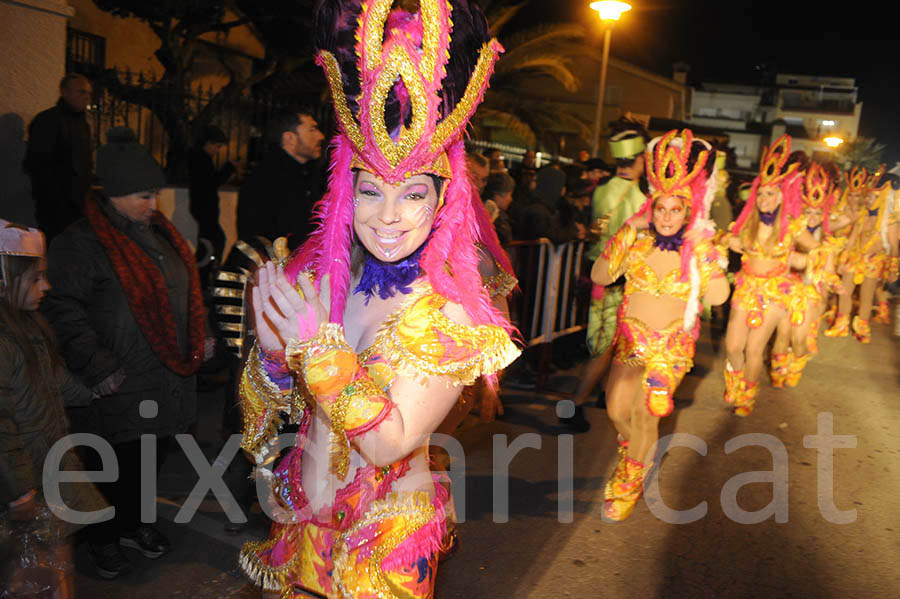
(669, 266)
(35, 387)
(393, 318)
(127, 308)
(796, 338)
(844, 215)
(767, 230)
(613, 203)
(871, 255)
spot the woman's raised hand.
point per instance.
(281, 313)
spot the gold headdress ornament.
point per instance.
(418, 58)
(667, 165)
(856, 179)
(816, 186)
(772, 170)
(872, 182)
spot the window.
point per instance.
(85, 52)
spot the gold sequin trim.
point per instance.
(398, 63)
(416, 508)
(451, 125)
(336, 83)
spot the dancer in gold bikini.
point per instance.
(670, 264)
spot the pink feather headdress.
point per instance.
(776, 171)
(404, 57)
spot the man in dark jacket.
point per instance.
(277, 198)
(59, 157)
(127, 309)
(205, 180)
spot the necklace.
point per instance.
(387, 278)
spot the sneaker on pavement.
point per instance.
(109, 561)
(146, 539)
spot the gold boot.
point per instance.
(812, 339)
(745, 398)
(625, 487)
(781, 366)
(862, 330)
(732, 382)
(882, 314)
(796, 370)
(840, 328)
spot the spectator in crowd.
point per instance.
(34, 388)
(596, 171)
(59, 157)
(572, 216)
(523, 197)
(528, 165)
(205, 180)
(537, 217)
(277, 198)
(498, 195)
(127, 308)
(495, 159)
(583, 156)
(479, 169)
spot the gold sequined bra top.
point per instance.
(419, 341)
(781, 251)
(640, 276)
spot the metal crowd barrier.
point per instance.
(553, 301)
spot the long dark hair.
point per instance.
(24, 325)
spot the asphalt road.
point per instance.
(818, 530)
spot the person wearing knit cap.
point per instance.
(127, 309)
(613, 203)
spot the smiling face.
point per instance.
(393, 221)
(768, 198)
(668, 215)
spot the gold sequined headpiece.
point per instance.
(772, 171)
(873, 182)
(414, 54)
(856, 179)
(816, 186)
(667, 165)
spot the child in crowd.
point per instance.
(34, 389)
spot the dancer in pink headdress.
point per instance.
(369, 331)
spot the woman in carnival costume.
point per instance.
(844, 215)
(659, 317)
(796, 339)
(391, 318)
(871, 255)
(765, 233)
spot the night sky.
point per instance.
(731, 41)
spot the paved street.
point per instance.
(807, 553)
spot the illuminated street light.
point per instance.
(609, 12)
(833, 142)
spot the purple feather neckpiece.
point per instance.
(668, 243)
(768, 218)
(387, 278)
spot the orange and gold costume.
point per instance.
(372, 541)
(756, 292)
(666, 355)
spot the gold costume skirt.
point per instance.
(666, 356)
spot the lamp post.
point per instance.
(609, 11)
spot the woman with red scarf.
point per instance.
(126, 306)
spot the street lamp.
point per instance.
(609, 12)
(833, 141)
